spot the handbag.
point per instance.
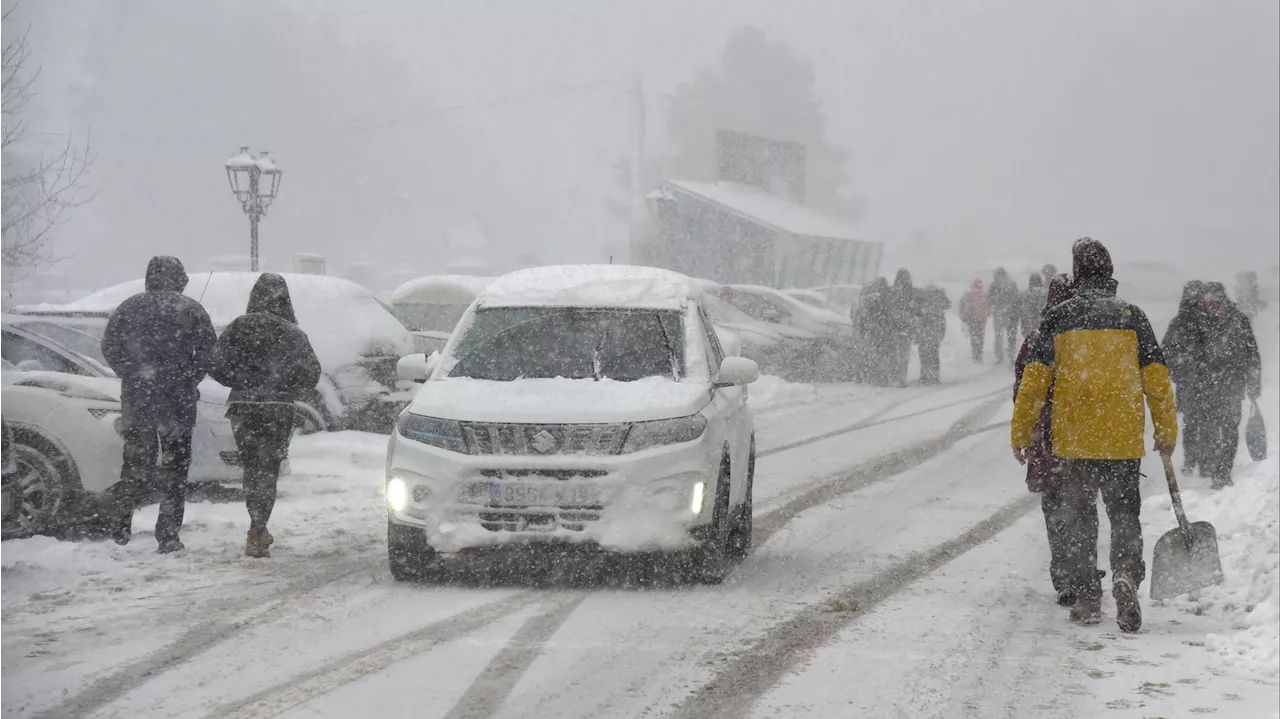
(1255, 434)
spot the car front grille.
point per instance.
(544, 439)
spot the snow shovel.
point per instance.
(1186, 558)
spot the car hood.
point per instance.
(105, 389)
(568, 401)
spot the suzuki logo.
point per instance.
(544, 442)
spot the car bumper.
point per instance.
(639, 502)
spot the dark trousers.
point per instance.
(901, 359)
(977, 339)
(1219, 435)
(1056, 531)
(263, 440)
(1082, 480)
(155, 463)
(930, 363)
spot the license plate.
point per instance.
(518, 494)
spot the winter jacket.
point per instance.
(933, 315)
(1101, 356)
(1032, 305)
(1004, 297)
(904, 308)
(160, 343)
(1231, 365)
(974, 306)
(1183, 344)
(263, 356)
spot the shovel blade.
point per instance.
(1177, 568)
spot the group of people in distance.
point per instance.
(1081, 380)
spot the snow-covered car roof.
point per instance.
(440, 289)
(343, 320)
(591, 286)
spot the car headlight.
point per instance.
(397, 494)
(644, 435)
(442, 433)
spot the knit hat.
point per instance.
(1090, 260)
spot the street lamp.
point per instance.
(255, 182)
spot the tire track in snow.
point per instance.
(490, 690)
(753, 671)
(197, 640)
(323, 680)
(876, 470)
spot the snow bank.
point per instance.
(770, 390)
(590, 286)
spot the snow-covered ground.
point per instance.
(899, 570)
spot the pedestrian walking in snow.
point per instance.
(1032, 304)
(905, 320)
(932, 328)
(160, 344)
(1005, 307)
(1102, 359)
(875, 333)
(974, 310)
(1233, 371)
(1248, 298)
(268, 362)
(1184, 354)
(1042, 468)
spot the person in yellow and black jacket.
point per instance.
(1101, 357)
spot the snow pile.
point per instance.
(1247, 517)
(590, 286)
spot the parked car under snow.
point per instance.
(356, 339)
(430, 307)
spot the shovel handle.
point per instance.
(1172, 479)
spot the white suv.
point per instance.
(581, 404)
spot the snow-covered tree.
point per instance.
(40, 185)
(761, 88)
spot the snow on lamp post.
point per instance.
(255, 182)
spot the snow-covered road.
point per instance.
(899, 570)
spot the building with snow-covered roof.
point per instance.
(737, 233)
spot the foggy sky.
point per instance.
(997, 129)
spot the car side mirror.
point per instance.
(417, 367)
(737, 372)
(30, 365)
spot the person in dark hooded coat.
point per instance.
(1184, 354)
(160, 344)
(874, 325)
(1005, 308)
(904, 313)
(1233, 371)
(268, 362)
(933, 327)
(1032, 304)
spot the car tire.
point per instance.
(45, 486)
(711, 560)
(740, 534)
(309, 420)
(409, 556)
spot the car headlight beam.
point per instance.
(397, 494)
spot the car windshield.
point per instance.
(428, 317)
(760, 307)
(511, 343)
(73, 339)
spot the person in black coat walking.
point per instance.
(904, 312)
(1184, 354)
(933, 327)
(160, 344)
(1233, 370)
(1005, 310)
(268, 362)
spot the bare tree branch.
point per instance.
(36, 198)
